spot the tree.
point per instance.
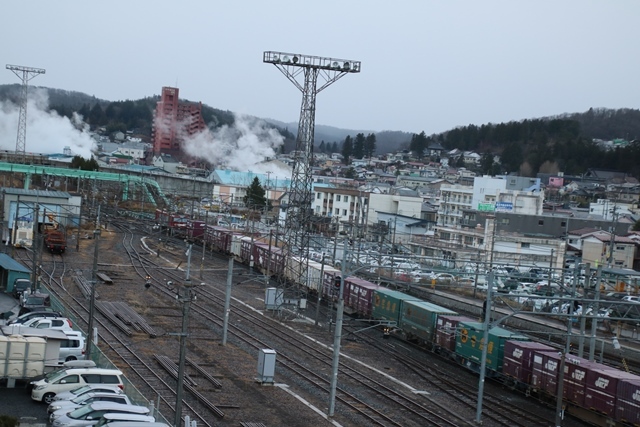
(350, 173)
(255, 197)
(370, 145)
(79, 162)
(418, 144)
(347, 149)
(358, 146)
(486, 163)
(334, 147)
(321, 147)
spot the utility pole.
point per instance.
(25, 74)
(94, 280)
(34, 247)
(337, 335)
(614, 211)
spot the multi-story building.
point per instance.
(174, 121)
(602, 248)
(346, 206)
(454, 200)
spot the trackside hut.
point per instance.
(10, 270)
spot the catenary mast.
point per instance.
(304, 71)
(25, 74)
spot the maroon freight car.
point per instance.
(628, 405)
(601, 389)
(358, 294)
(518, 358)
(544, 374)
(446, 331)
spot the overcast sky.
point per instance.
(426, 65)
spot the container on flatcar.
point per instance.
(295, 269)
(358, 296)
(218, 238)
(314, 277)
(446, 331)
(271, 259)
(518, 358)
(575, 378)
(387, 304)
(196, 229)
(418, 319)
(628, 405)
(236, 246)
(544, 374)
(601, 389)
(469, 344)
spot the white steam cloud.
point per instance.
(242, 147)
(47, 132)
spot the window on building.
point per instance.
(337, 197)
(504, 221)
(318, 210)
(318, 196)
(619, 248)
(541, 222)
(525, 245)
(468, 240)
(346, 199)
(445, 236)
(337, 211)
(344, 212)
(563, 224)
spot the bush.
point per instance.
(8, 421)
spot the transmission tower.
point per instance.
(25, 74)
(304, 71)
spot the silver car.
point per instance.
(89, 388)
(85, 399)
(90, 414)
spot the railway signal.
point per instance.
(147, 283)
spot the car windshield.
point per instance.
(55, 377)
(81, 412)
(82, 398)
(80, 390)
(35, 301)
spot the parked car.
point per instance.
(36, 301)
(467, 282)
(73, 348)
(58, 323)
(445, 278)
(19, 287)
(85, 399)
(91, 414)
(126, 420)
(45, 389)
(631, 298)
(34, 314)
(88, 388)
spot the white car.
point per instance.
(89, 415)
(69, 405)
(89, 388)
(58, 323)
(631, 298)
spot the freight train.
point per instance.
(592, 391)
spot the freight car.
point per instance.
(594, 392)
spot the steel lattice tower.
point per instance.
(25, 74)
(304, 71)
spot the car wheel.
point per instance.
(48, 398)
(69, 358)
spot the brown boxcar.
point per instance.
(446, 331)
(601, 389)
(544, 374)
(628, 405)
(518, 358)
(358, 296)
(575, 378)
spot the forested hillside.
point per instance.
(550, 144)
(564, 143)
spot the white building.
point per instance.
(397, 204)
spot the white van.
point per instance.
(113, 419)
(73, 347)
(45, 389)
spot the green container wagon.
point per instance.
(469, 343)
(387, 304)
(418, 319)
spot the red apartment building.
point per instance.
(174, 121)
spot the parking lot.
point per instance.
(17, 402)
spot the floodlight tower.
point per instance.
(304, 71)
(25, 74)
